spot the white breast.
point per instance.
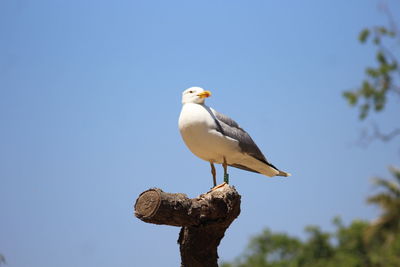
(197, 127)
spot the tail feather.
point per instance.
(284, 174)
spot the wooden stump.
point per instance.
(204, 220)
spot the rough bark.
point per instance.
(204, 220)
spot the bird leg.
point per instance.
(213, 173)
(226, 175)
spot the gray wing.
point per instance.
(229, 127)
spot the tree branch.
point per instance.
(204, 220)
(367, 136)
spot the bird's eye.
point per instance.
(190, 92)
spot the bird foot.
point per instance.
(218, 186)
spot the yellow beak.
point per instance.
(204, 94)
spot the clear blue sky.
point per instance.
(90, 94)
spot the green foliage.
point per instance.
(360, 244)
(270, 249)
(344, 247)
(364, 34)
(317, 250)
(387, 227)
(380, 79)
(351, 249)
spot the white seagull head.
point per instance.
(195, 95)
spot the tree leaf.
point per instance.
(351, 97)
(363, 36)
(380, 56)
(372, 72)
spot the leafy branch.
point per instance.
(380, 79)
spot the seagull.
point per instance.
(216, 138)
